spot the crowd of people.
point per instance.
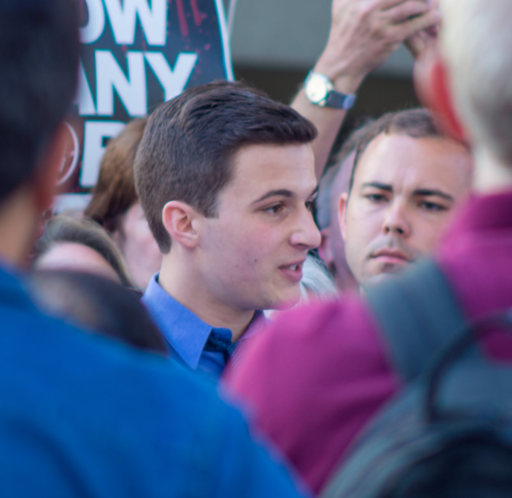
(228, 317)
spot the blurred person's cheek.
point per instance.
(139, 247)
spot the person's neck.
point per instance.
(344, 281)
(491, 175)
(17, 227)
(179, 280)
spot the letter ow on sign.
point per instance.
(130, 86)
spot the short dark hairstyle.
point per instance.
(61, 228)
(114, 193)
(415, 123)
(189, 142)
(39, 49)
(97, 304)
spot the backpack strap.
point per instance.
(419, 316)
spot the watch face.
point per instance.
(317, 89)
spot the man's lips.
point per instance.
(391, 256)
(292, 271)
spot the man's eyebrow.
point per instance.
(273, 193)
(282, 193)
(380, 186)
(423, 192)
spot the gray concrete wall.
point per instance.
(290, 34)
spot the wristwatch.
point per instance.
(320, 91)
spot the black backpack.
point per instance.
(449, 433)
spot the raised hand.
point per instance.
(364, 33)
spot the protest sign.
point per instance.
(136, 54)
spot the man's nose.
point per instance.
(396, 221)
(306, 233)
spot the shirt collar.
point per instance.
(184, 330)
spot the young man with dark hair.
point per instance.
(83, 415)
(226, 178)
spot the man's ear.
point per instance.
(48, 168)
(178, 219)
(342, 210)
(324, 249)
(432, 83)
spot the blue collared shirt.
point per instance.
(190, 338)
(84, 415)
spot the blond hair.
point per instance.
(476, 43)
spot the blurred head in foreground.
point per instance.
(466, 79)
(115, 206)
(80, 245)
(407, 183)
(96, 304)
(39, 50)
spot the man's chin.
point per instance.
(384, 273)
(285, 302)
(377, 279)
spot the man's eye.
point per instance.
(432, 206)
(275, 209)
(376, 197)
(310, 206)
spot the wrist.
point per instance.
(344, 78)
(320, 91)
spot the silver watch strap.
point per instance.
(339, 100)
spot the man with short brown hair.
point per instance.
(226, 178)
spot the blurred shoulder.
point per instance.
(310, 337)
(320, 321)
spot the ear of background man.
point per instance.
(342, 209)
(324, 249)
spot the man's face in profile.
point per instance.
(406, 191)
(251, 254)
